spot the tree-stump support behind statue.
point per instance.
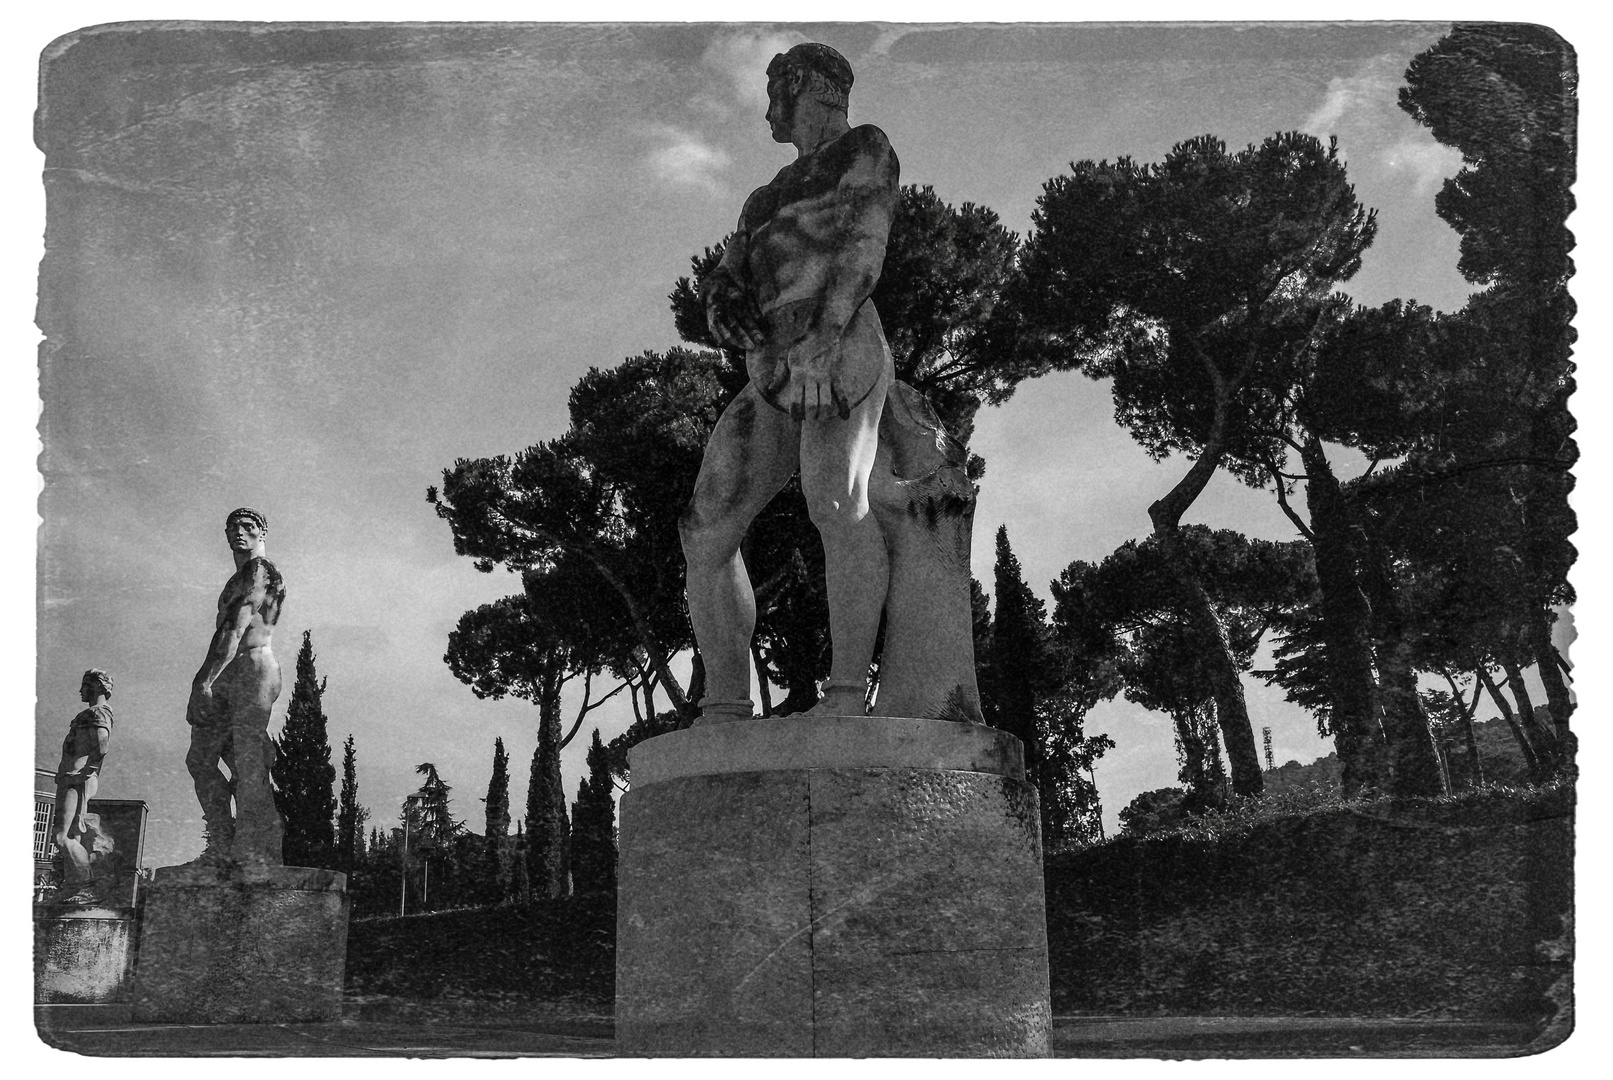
(924, 501)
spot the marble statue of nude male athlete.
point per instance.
(77, 777)
(792, 290)
(230, 701)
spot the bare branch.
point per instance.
(1282, 501)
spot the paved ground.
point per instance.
(404, 1029)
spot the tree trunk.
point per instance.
(1346, 619)
(1541, 734)
(1443, 760)
(548, 837)
(1231, 710)
(1475, 764)
(1547, 662)
(1413, 761)
(1531, 760)
(653, 651)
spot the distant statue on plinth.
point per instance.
(235, 936)
(884, 483)
(78, 833)
(230, 700)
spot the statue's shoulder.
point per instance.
(94, 716)
(870, 136)
(257, 568)
(866, 146)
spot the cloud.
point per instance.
(889, 35)
(1425, 162)
(1356, 98)
(685, 161)
(741, 57)
(1363, 111)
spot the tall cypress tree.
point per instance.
(548, 834)
(495, 860)
(593, 826)
(305, 780)
(350, 816)
(1017, 666)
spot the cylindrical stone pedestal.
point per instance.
(242, 945)
(834, 887)
(82, 955)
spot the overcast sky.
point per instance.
(307, 270)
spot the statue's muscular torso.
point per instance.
(255, 575)
(810, 248)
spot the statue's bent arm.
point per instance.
(731, 310)
(227, 638)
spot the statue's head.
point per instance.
(95, 683)
(245, 528)
(814, 70)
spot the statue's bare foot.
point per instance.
(81, 898)
(724, 712)
(841, 697)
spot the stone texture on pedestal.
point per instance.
(82, 955)
(832, 887)
(231, 945)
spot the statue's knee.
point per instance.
(701, 538)
(830, 512)
(689, 527)
(198, 761)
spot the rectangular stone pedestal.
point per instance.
(242, 945)
(82, 955)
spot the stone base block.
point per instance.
(242, 945)
(831, 887)
(82, 955)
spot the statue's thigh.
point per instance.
(210, 742)
(838, 455)
(752, 453)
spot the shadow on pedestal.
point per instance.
(233, 945)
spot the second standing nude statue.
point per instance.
(230, 701)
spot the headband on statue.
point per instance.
(810, 56)
(251, 514)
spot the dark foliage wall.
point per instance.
(1427, 909)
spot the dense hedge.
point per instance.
(1454, 907)
(551, 950)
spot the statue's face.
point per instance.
(88, 689)
(242, 534)
(780, 114)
